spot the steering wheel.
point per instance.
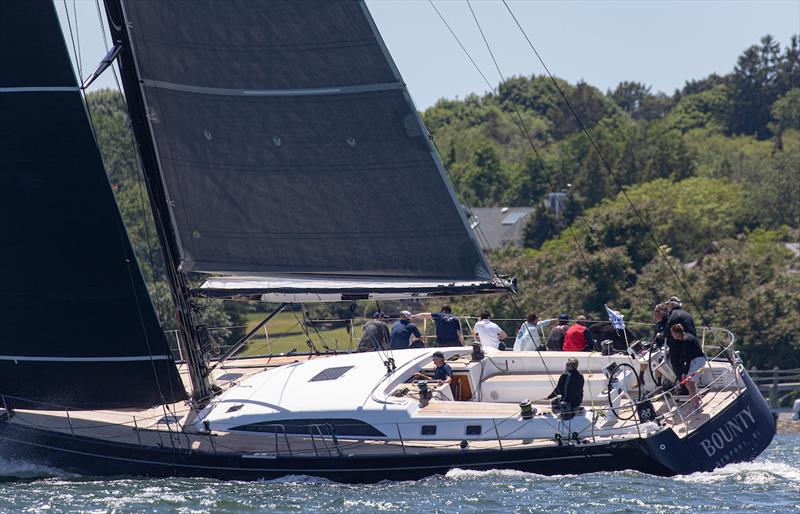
(612, 380)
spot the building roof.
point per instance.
(500, 225)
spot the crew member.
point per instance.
(568, 394)
(403, 331)
(678, 316)
(528, 335)
(693, 360)
(488, 332)
(448, 327)
(375, 335)
(578, 338)
(555, 341)
(442, 372)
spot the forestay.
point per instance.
(78, 325)
(289, 146)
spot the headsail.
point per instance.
(78, 325)
(290, 148)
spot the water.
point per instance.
(770, 484)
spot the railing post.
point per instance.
(136, 429)
(497, 433)
(400, 435)
(773, 392)
(69, 422)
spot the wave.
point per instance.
(469, 474)
(297, 479)
(753, 473)
(19, 469)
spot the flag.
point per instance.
(616, 318)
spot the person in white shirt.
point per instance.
(528, 338)
(488, 332)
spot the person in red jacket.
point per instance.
(578, 338)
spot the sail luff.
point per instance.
(161, 206)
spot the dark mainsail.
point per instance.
(79, 328)
(289, 147)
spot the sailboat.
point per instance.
(284, 162)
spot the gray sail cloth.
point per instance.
(289, 145)
(78, 325)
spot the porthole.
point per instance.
(428, 430)
(474, 430)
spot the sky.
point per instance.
(661, 43)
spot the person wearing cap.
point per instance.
(376, 334)
(488, 332)
(448, 327)
(555, 341)
(678, 316)
(403, 331)
(442, 372)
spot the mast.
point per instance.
(188, 336)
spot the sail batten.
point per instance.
(291, 145)
(188, 88)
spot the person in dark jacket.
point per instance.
(660, 314)
(568, 394)
(677, 316)
(693, 360)
(555, 341)
(376, 334)
(448, 327)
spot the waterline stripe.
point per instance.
(36, 89)
(187, 88)
(135, 358)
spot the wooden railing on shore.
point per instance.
(775, 381)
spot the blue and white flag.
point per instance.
(616, 318)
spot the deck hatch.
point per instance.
(330, 373)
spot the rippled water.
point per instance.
(770, 484)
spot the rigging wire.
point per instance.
(590, 230)
(124, 234)
(606, 165)
(75, 50)
(163, 315)
(519, 123)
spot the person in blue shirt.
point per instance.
(448, 327)
(442, 373)
(403, 331)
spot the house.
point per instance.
(499, 225)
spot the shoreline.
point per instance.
(786, 425)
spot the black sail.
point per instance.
(78, 326)
(288, 144)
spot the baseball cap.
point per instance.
(405, 314)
